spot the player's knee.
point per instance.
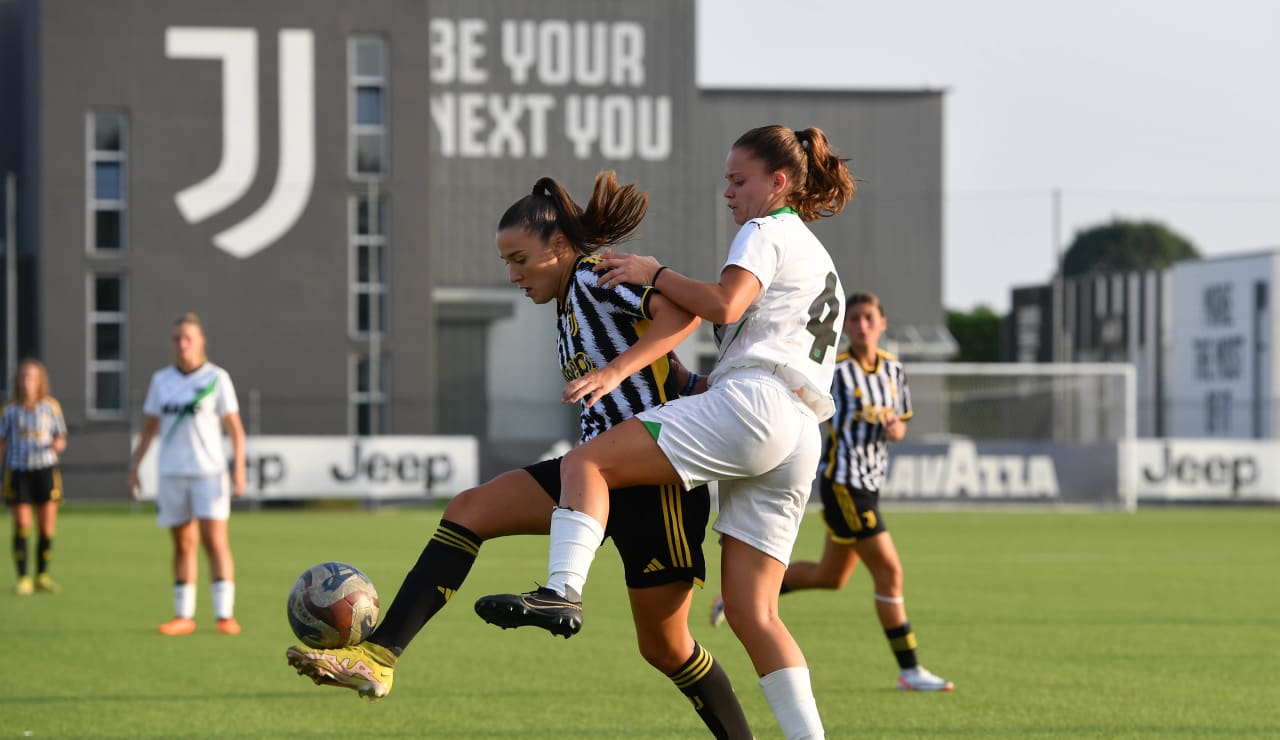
(833, 579)
(659, 652)
(746, 619)
(462, 508)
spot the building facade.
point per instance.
(320, 183)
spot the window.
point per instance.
(105, 370)
(106, 191)
(367, 106)
(367, 413)
(368, 267)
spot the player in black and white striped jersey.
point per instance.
(596, 324)
(549, 246)
(873, 404)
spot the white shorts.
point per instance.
(181, 498)
(753, 434)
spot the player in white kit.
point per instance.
(189, 404)
(778, 306)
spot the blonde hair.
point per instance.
(17, 392)
(189, 318)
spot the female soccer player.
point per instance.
(873, 405)
(189, 404)
(624, 332)
(32, 436)
(777, 306)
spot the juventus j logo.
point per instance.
(237, 49)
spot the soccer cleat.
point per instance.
(25, 587)
(366, 668)
(47, 584)
(541, 608)
(717, 611)
(178, 626)
(229, 626)
(918, 679)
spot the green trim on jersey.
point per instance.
(782, 210)
(654, 428)
(202, 394)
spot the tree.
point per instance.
(1123, 246)
(980, 334)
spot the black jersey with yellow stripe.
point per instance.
(855, 452)
(596, 324)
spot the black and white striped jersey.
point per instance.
(597, 324)
(855, 453)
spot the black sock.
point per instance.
(707, 685)
(439, 572)
(20, 552)
(903, 643)
(44, 552)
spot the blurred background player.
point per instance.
(777, 304)
(873, 405)
(548, 244)
(32, 436)
(189, 404)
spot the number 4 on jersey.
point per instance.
(822, 320)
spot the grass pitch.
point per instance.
(1165, 623)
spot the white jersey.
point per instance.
(190, 407)
(792, 326)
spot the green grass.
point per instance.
(1161, 624)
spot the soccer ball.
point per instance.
(332, 605)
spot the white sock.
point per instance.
(184, 600)
(791, 698)
(575, 537)
(224, 598)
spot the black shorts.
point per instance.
(851, 514)
(658, 530)
(37, 486)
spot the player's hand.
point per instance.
(593, 386)
(238, 483)
(135, 486)
(894, 427)
(616, 268)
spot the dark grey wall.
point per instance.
(279, 320)
(889, 238)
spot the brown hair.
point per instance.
(611, 216)
(861, 297)
(42, 389)
(821, 183)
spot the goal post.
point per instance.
(1028, 433)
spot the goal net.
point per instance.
(1043, 433)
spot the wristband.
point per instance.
(688, 387)
(654, 281)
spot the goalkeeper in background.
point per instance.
(873, 405)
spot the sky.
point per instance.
(1134, 109)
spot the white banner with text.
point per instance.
(306, 467)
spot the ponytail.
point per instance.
(611, 216)
(821, 184)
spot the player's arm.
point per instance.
(669, 327)
(235, 431)
(150, 427)
(722, 302)
(683, 374)
(59, 442)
